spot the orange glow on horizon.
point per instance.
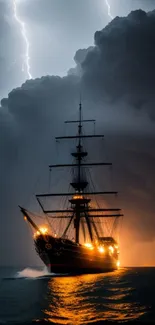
(118, 264)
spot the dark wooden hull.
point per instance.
(64, 256)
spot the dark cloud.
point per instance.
(79, 58)
(121, 66)
(30, 117)
(116, 88)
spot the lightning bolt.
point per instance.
(26, 63)
(109, 9)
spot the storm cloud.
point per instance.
(117, 83)
(121, 66)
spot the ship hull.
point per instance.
(64, 256)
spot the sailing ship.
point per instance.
(82, 246)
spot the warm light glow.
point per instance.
(72, 305)
(25, 218)
(36, 234)
(42, 230)
(76, 197)
(111, 249)
(101, 249)
(118, 263)
(89, 245)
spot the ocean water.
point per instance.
(32, 295)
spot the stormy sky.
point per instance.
(75, 46)
(56, 29)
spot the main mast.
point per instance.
(79, 146)
(78, 202)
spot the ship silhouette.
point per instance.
(85, 249)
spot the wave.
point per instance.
(33, 273)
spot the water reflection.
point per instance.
(88, 298)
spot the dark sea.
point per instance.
(30, 295)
